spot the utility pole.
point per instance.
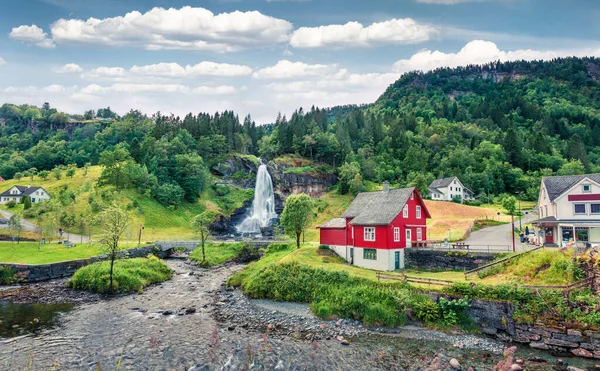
(140, 236)
(512, 232)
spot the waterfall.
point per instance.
(263, 206)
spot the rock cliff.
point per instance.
(313, 184)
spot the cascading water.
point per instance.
(263, 206)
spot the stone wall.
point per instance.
(44, 272)
(446, 260)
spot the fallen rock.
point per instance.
(573, 368)
(516, 367)
(167, 312)
(455, 364)
(345, 342)
(580, 352)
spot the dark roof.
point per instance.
(25, 191)
(334, 223)
(557, 185)
(551, 219)
(548, 219)
(378, 208)
(441, 183)
(435, 190)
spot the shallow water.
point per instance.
(19, 319)
(135, 331)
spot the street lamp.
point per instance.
(140, 235)
(498, 215)
(521, 217)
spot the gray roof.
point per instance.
(442, 183)
(435, 190)
(557, 185)
(334, 223)
(378, 208)
(24, 191)
(552, 219)
(548, 219)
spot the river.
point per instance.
(174, 326)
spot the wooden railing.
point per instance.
(497, 262)
(586, 282)
(419, 280)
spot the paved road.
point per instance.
(29, 226)
(500, 236)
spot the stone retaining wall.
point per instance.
(446, 260)
(44, 272)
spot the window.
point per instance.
(405, 211)
(587, 188)
(396, 234)
(595, 208)
(412, 196)
(419, 234)
(369, 234)
(580, 209)
(418, 212)
(450, 188)
(369, 254)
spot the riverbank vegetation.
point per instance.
(335, 289)
(130, 275)
(217, 253)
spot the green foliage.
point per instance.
(169, 194)
(11, 204)
(297, 215)
(7, 275)
(509, 204)
(131, 275)
(426, 310)
(26, 202)
(217, 253)
(323, 247)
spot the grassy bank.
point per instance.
(335, 289)
(27, 252)
(130, 275)
(217, 253)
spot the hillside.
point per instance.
(160, 222)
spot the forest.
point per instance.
(500, 127)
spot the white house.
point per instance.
(16, 194)
(446, 189)
(569, 210)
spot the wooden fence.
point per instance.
(497, 262)
(404, 278)
(586, 282)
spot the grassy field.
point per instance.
(159, 222)
(217, 253)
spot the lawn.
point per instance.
(27, 252)
(217, 253)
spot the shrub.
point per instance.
(11, 204)
(130, 275)
(276, 247)
(7, 275)
(247, 254)
(323, 247)
(425, 309)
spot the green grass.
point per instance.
(217, 253)
(330, 205)
(130, 275)
(27, 252)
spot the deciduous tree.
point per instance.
(297, 215)
(114, 221)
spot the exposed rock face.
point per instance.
(286, 184)
(237, 170)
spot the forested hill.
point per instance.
(500, 127)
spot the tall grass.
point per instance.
(130, 275)
(217, 253)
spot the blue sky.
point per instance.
(261, 56)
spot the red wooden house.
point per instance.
(376, 228)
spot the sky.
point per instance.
(261, 57)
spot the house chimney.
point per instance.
(386, 186)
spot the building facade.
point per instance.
(16, 194)
(446, 189)
(377, 227)
(569, 210)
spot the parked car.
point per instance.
(3, 221)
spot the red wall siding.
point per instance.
(349, 231)
(330, 236)
(381, 237)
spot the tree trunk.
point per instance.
(112, 263)
(298, 240)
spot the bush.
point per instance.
(169, 194)
(276, 247)
(247, 254)
(11, 204)
(425, 309)
(130, 275)
(7, 275)
(323, 247)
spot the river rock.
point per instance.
(573, 368)
(516, 367)
(455, 364)
(167, 312)
(580, 352)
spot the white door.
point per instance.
(408, 238)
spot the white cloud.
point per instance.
(158, 88)
(479, 52)
(285, 69)
(68, 68)
(2, 61)
(104, 73)
(354, 34)
(31, 35)
(446, 2)
(200, 69)
(176, 29)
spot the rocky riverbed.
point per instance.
(193, 322)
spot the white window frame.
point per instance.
(405, 211)
(369, 233)
(419, 234)
(418, 214)
(586, 185)
(584, 206)
(596, 203)
(396, 234)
